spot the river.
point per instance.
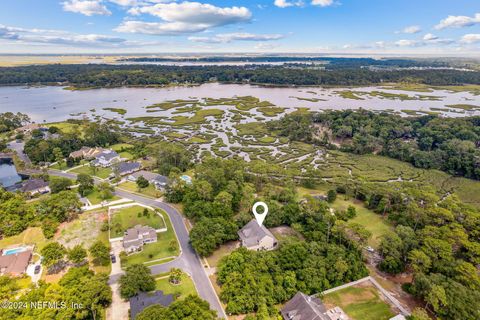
(51, 104)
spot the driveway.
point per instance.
(119, 308)
(18, 147)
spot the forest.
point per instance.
(88, 76)
(428, 142)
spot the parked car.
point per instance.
(37, 269)
(370, 249)
(113, 258)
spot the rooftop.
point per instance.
(33, 184)
(15, 263)
(125, 167)
(143, 300)
(252, 233)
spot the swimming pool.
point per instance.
(14, 250)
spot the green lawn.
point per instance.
(360, 303)
(31, 236)
(370, 220)
(180, 291)
(94, 197)
(149, 191)
(131, 216)
(157, 250)
(100, 172)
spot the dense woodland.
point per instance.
(143, 75)
(429, 142)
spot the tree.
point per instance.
(436, 297)
(105, 190)
(208, 233)
(52, 253)
(100, 253)
(58, 154)
(192, 307)
(175, 276)
(331, 196)
(58, 184)
(137, 277)
(142, 182)
(419, 314)
(85, 184)
(77, 254)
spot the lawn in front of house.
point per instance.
(157, 250)
(149, 191)
(359, 303)
(94, 197)
(179, 291)
(128, 217)
(100, 172)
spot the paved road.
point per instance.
(18, 147)
(188, 261)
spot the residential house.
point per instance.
(35, 186)
(125, 168)
(256, 237)
(159, 181)
(106, 159)
(28, 128)
(134, 238)
(145, 299)
(86, 153)
(15, 264)
(303, 307)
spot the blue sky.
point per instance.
(374, 27)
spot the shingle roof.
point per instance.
(125, 167)
(252, 233)
(16, 263)
(150, 176)
(143, 300)
(33, 184)
(303, 307)
(107, 155)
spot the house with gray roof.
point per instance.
(256, 237)
(159, 181)
(134, 238)
(106, 158)
(35, 186)
(125, 168)
(145, 299)
(303, 307)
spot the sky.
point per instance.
(372, 27)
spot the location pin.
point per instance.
(260, 217)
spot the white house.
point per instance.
(106, 159)
(136, 237)
(159, 181)
(256, 237)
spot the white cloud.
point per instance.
(86, 7)
(429, 37)
(322, 3)
(458, 22)
(408, 43)
(229, 37)
(265, 46)
(287, 3)
(412, 29)
(60, 37)
(471, 38)
(185, 17)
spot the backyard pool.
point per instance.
(14, 250)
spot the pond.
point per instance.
(8, 174)
(52, 104)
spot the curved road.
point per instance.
(188, 260)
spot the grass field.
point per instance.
(180, 291)
(31, 236)
(129, 217)
(100, 172)
(222, 251)
(149, 191)
(157, 250)
(94, 197)
(83, 231)
(359, 303)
